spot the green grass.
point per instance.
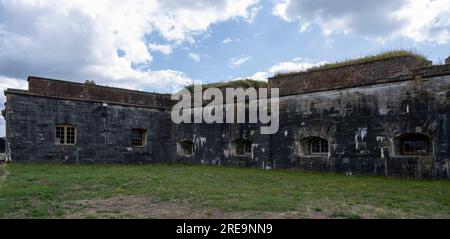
(55, 190)
(246, 83)
(360, 60)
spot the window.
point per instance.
(65, 135)
(242, 146)
(138, 137)
(413, 144)
(319, 146)
(186, 147)
(314, 145)
(248, 147)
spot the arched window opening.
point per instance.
(186, 148)
(413, 144)
(319, 146)
(242, 146)
(314, 146)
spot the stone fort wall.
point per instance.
(362, 111)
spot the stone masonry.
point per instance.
(385, 117)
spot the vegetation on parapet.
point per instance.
(360, 60)
(245, 83)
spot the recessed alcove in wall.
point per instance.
(412, 144)
(241, 147)
(313, 145)
(185, 148)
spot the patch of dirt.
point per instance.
(358, 211)
(146, 207)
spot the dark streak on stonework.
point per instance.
(2, 145)
(388, 117)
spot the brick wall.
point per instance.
(72, 90)
(346, 76)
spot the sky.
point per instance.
(160, 46)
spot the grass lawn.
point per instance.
(181, 191)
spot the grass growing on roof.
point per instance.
(245, 83)
(360, 60)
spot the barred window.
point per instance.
(65, 135)
(319, 146)
(242, 146)
(415, 147)
(413, 144)
(138, 137)
(186, 147)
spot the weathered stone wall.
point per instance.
(2, 145)
(360, 118)
(92, 92)
(103, 133)
(213, 144)
(343, 77)
(360, 124)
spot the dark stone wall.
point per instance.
(213, 144)
(361, 124)
(2, 145)
(103, 133)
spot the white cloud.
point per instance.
(427, 20)
(164, 49)
(79, 40)
(229, 40)
(192, 16)
(258, 76)
(253, 13)
(236, 62)
(6, 82)
(195, 57)
(419, 20)
(295, 65)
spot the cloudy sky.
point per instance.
(157, 45)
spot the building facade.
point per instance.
(2, 145)
(381, 117)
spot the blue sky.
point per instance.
(160, 46)
(269, 40)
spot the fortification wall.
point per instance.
(103, 134)
(361, 120)
(370, 72)
(2, 145)
(361, 125)
(92, 92)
